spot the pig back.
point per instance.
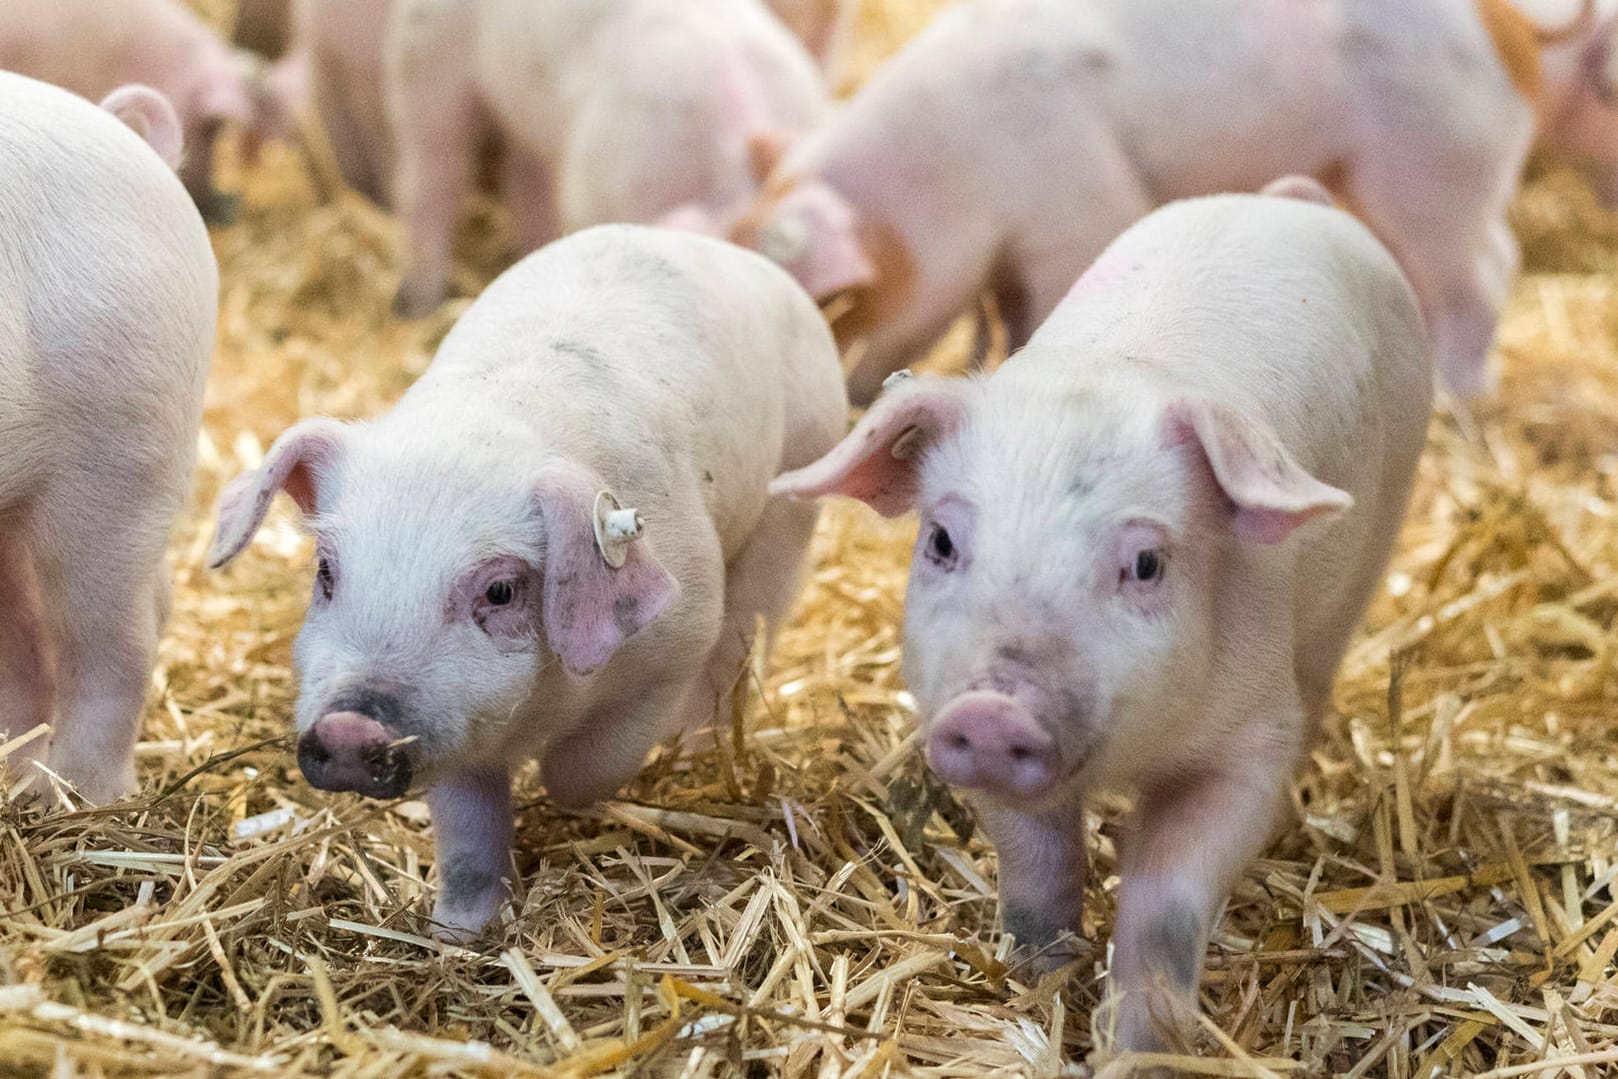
(685, 371)
(109, 281)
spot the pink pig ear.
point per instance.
(1269, 493)
(876, 462)
(591, 606)
(817, 236)
(294, 465)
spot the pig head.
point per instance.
(1060, 610)
(441, 598)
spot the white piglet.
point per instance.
(1145, 542)
(605, 110)
(485, 593)
(1006, 145)
(108, 294)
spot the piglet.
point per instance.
(1012, 139)
(558, 543)
(606, 110)
(106, 329)
(1145, 542)
(92, 46)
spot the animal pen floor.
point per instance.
(798, 898)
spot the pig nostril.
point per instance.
(1021, 753)
(960, 741)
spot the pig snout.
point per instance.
(347, 751)
(988, 741)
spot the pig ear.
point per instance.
(1303, 188)
(1268, 492)
(294, 464)
(150, 115)
(818, 239)
(876, 462)
(692, 217)
(603, 584)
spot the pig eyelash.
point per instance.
(941, 550)
(323, 576)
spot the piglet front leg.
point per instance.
(472, 826)
(1188, 843)
(1042, 873)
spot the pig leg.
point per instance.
(1452, 238)
(196, 172)
(530, 195)
(115, 597)
(762, 579)
(346, 134)
(607, 749)
(439, 129)
(1043, 867)
(472, 828)
(1188, 843)
(27, 667)
(1462, 304)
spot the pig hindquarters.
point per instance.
(482, 595)
(605, 110)
(1012, 139)
(1145, 541)
(108, 292)
(92, 46)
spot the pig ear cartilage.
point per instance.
(616, 528)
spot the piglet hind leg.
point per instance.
(1187, 844)
(114, 597)
(1043, 867)
(472, 830)
(27, 659)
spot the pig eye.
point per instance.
(1148, 566)
(500, 593)
(940, 548)
(323, 578)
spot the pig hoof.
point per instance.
(1042, 945)
(469, 896)
(218, 208)
(460, 920)
(416, 300)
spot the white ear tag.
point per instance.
(616, 528)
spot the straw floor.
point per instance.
(798, 898)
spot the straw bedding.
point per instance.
(797, 897)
